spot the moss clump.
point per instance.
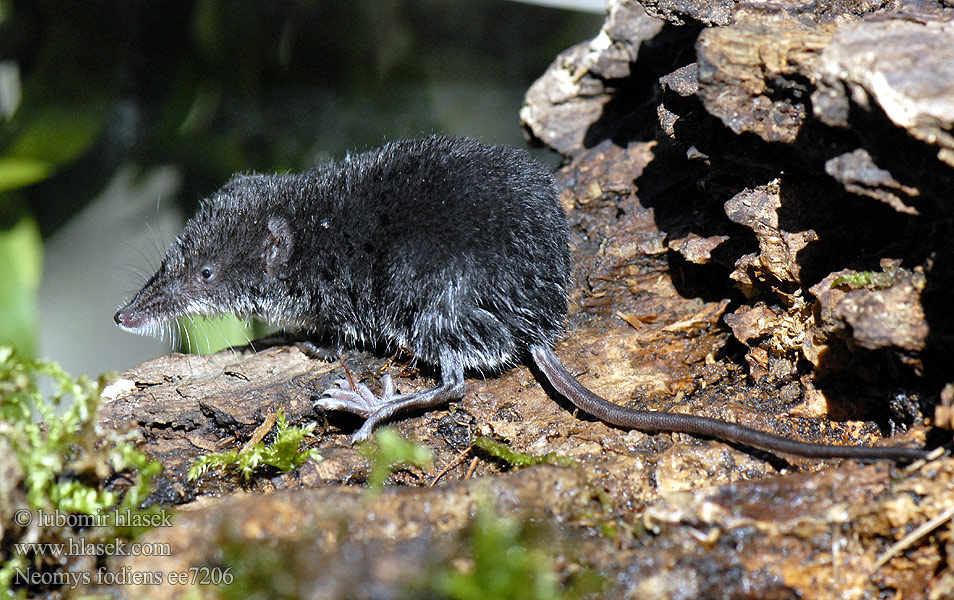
(282, 454)
(520, 459)
(62, 464)
(505, 559)
(389, 451)
(890, 274)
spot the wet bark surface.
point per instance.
(759, 198)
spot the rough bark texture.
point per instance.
(761, 213)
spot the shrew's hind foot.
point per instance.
(360, 401)
(376, 410)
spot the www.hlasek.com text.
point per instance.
(81, 547)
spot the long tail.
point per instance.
(648, 420)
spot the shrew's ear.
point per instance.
(277, 247)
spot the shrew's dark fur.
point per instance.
(452, 249)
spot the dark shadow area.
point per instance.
(872, 385)
(927, 238)
(687, 199)
(910, 161)
(854, 232)
(630, 114)
(689, 180)
(857, 232)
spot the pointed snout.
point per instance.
(129, 319)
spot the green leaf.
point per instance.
(205, 335)
(57, 135)
(21, 264)
(47, 139)
(19, 172)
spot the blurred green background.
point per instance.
(117, 116)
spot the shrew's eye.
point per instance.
(207, 273)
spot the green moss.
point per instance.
(520, 459)
(63, 446)
(389, 451)
(282, 454)
(508, 560)
(7, 572)
(258, 571)
(64, 461)
(877, 280)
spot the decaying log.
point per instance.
(761, 211)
